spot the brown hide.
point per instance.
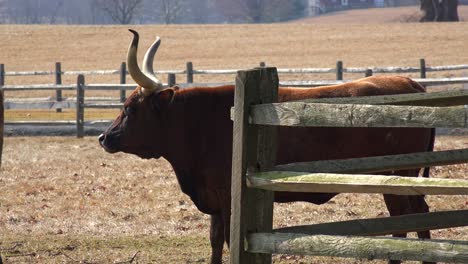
(194, 133)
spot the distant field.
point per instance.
(30, 47)
(64, 200)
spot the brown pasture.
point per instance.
(65, 200)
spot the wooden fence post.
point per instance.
(253, 149)
(422, 63)
(58, 81)
(2, 74)
(80, 90)
(189, 69)
(368, 72)
(339, 70)
(2, 119)
(171, 79)
(123, 77)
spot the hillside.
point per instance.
(375, 15)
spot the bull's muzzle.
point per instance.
(108, 143)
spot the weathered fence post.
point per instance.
(123, 77)
(189, 70)
(171, 79)
(339, 70)
(80, 90)
(368, 72)
(58, 81)
(2, 118)
(251, 209)
(422, 64)
(2, 74)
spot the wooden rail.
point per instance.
(131, 86)
(384, 225)
(359, 247)
(255, 244)
(379, 163)
(291, 181)
(299, 114)
(190, 71)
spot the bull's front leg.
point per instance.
(217, 238)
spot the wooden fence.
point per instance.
(59, 103)
(255, 178)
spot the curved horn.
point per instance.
(148, 60)
(146, 82)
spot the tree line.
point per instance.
(149, 11)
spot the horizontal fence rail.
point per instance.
(131, 86)
(89, 73)
(299, 114)
(380, 163)
(384, 225)
(55, 123)
(191, 70)
(291, 181)
(359, 247)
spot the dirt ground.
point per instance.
(64, 200)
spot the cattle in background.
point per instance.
(192, 129)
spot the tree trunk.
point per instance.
(439, 10)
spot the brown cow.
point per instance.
(192, 129)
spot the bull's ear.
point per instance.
(163, 99)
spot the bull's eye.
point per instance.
(128, 111)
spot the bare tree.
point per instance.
(32, 11)
(121, 11)
(439, 10)
(167, 11)
(171, 10)
(256, 11)
(200, 11)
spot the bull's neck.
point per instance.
(200, 136)
(199, 120)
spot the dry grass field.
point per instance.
(64, 200)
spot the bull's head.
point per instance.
(139, 127)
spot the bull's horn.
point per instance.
(146, 82)
(148, 60)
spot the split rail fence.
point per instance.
(255, 177)
(80, 104)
